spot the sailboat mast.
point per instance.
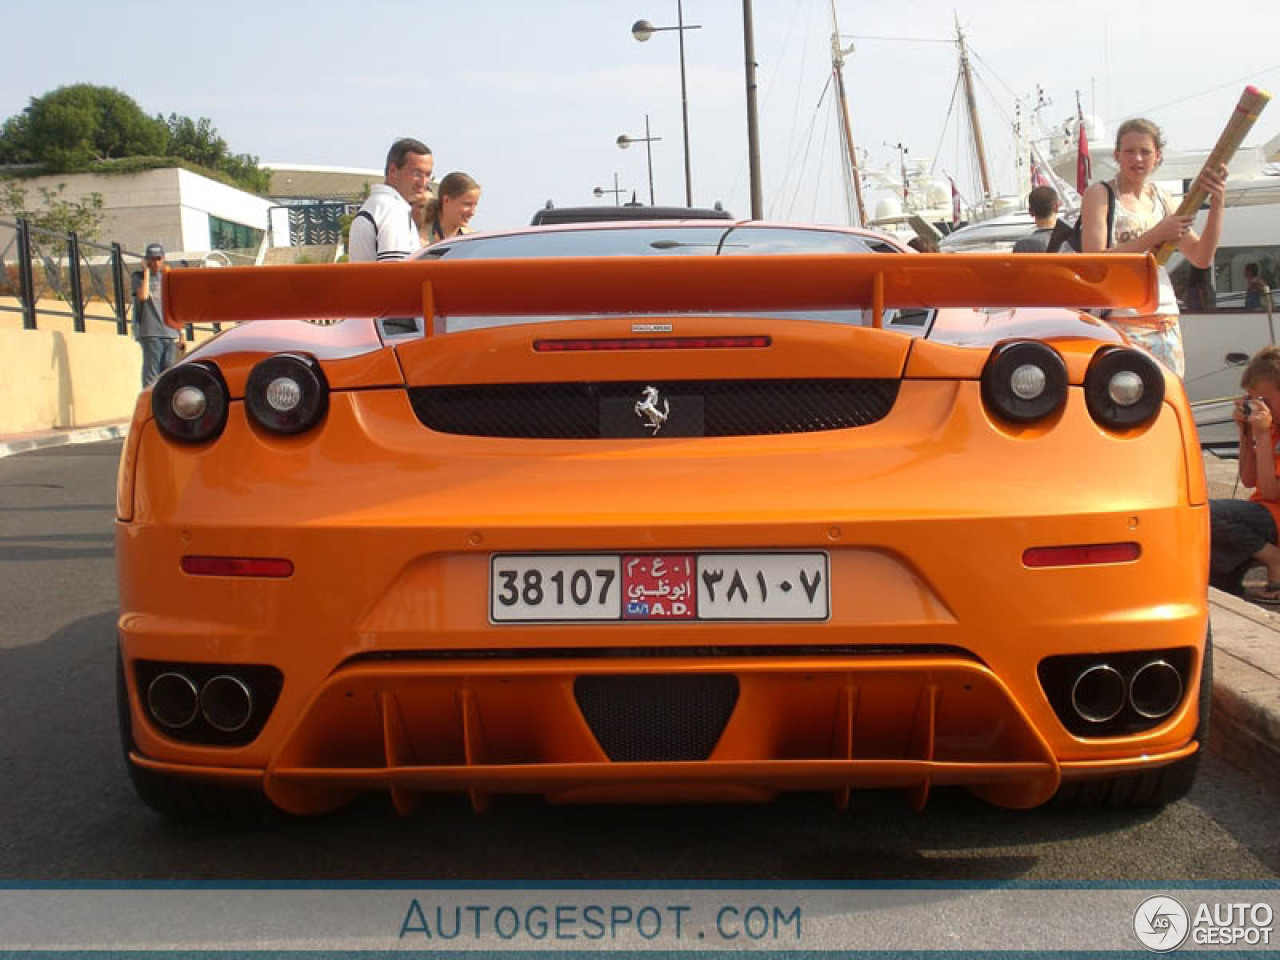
(972, 103)
(837, 65)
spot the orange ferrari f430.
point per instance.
(663, 512)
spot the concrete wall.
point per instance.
(54, 377)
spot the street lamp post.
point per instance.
(624, 141)
(642, 30)
(753, 128)
(616, 191)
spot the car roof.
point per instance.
(625, 212)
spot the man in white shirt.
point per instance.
(384, 228)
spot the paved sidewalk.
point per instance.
(1246, 684)
(11, 443)
(1245, 729)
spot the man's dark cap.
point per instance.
(155, 250)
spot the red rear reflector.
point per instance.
(237, 566)
(1081, 555)
(651, 343)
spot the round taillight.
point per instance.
(1028, 382)
(284, 395)
(189, 402)
(287, 393)
(1123, 388)
(1024, 380)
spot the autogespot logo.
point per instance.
(1161, 923)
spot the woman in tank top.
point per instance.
(1145, 218)
(449, 212)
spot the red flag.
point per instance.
(1083, 167)
(1038, 179)
(955, 201)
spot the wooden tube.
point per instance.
(1251, 104)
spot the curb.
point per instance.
(1245, 729)
(57, 438)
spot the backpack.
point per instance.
(1069, 236)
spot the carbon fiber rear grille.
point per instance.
(695, 408)
(657, 717)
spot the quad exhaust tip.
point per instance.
(1100, 692)
(173, 700)
(1156, 688)
(1098, 695)
(226, 703)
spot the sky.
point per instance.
(529, 97)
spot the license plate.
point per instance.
(679, 587)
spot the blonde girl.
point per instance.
(1145, 217)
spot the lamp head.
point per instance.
(642, 30)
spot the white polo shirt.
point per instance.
(384, 228)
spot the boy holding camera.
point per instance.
(1244, 532)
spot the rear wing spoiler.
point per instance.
(659, 285)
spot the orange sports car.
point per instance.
(669, 512)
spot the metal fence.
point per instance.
(314, 224)
(39, 266)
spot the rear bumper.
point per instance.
(810, 723)
(909, 723)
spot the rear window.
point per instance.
(673, 240)
(635, 241)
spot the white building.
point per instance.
(188, 213)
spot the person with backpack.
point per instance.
(1131, 215)
(1042, 203)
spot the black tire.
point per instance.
(1151, 788)
(178, 797)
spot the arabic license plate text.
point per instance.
(682, 587)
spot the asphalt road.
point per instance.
(69, 812)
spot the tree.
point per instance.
(244, 170)
(72, 126)
(81, 127)
(82, 217)
(198, 141)
(13, 140)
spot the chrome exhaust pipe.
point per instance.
(172, 700)
(1155, 690)
(226, 703)
(1098, 695)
